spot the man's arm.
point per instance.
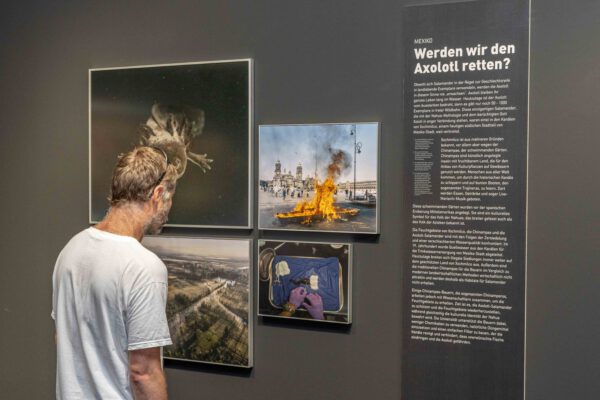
(146, 374)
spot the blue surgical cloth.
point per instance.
(327, 269)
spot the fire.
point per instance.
(321, 206)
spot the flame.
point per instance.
(321, 206)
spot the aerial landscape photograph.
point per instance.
(208, 304)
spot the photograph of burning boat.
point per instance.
(305, 280)
(319, 177)
(208, 303)
(198, 114)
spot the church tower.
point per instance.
(278, 168)
(299, 172)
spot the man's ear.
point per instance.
(157, 193)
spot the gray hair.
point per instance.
(138, 172)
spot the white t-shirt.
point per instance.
(109, 297)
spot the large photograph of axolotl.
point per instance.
(199, 114)
(305, 280)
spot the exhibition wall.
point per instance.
(315, 62)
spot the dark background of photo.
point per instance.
(122, 100)
(295, 249)
(314, 61)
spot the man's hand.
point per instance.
(146, 375)
(314, 305)
(297, 296)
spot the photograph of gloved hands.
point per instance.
(311, 302)
(305, 281)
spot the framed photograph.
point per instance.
(208, 305)
(319, 177)
(305, 280)
(200, 114)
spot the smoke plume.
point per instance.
(340, 161)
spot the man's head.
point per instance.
(144, 178)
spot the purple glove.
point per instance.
(314, 305)
(297, 296)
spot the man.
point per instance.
(109, 292)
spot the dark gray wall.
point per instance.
(315, 61)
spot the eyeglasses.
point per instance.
(161, 177)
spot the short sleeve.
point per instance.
(146, 317)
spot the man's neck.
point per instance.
(125, 220)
